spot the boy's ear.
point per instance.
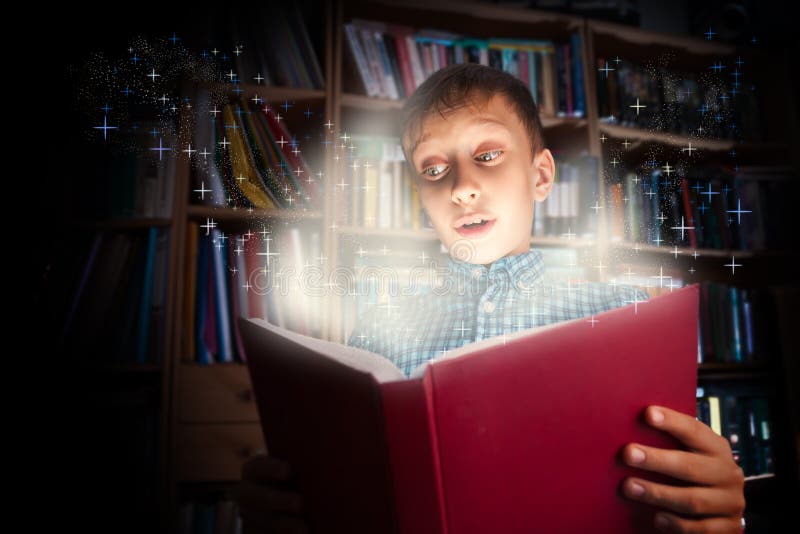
(543, 172)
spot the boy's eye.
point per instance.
(489, 156)
(439, 169)
(435, 170)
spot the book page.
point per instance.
(380, 367)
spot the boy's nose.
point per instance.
(465, 191)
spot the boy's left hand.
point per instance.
(715, 502)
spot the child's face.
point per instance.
(476, 163)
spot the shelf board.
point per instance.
(363, 102)
(430, 235)
(555, 241)
(389, 233)
(269, 92)
(638, 136)
(725, 371)
(196, 211)
(132, 223)
(640, 37)
(682, 251)
(482, 11)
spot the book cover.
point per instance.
(491, 437)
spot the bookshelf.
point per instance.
(209, 424)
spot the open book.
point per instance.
(515, 434)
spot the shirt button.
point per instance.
(521, 284)
(476, 273)
(488, 306)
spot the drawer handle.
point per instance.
(246, 395)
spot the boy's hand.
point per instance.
(267, 502)
(715, 503)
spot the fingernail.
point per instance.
(657, 416)
(637, 489)
(637, 455)
(662, 522)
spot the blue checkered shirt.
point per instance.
(476, 302)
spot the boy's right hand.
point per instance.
(268, 502)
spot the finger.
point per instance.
(261, 497)
(693, 433)
(711, 525)
(690, 466)
(266, 468)
(692, 501)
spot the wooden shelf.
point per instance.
(196, 211)
(269, 93)
(389, 233)
(368, 103)
(682, 251)
(726, 371)
(638, 136)
(430, 235)
(647, 38)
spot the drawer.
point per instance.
(215, 393)
(215, 452)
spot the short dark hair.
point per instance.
(470, 83)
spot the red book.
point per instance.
(509, 435)
(400, 32)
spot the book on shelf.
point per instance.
(217, 514)
(128, 183)
(252, 274)
(736, 324)
(707, 208)
(489, 437)
(116, 311)
(273, 46)
(677, 101)
(381, 191)
(388, 60)
(566, 212)
(254, 160)
(744, 419)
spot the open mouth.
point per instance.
(475, 228)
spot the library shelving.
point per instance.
(208, 423)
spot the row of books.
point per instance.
(697, 104)
(709, 208)
(392, 60)
(247, 158)
(735, 324)
(745, 421)
(214, 514)
(380, 192)
(254, 274)
(273, 46)
(567, 211)
(128, 183)
(115, 312)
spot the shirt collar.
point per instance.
(521, 270)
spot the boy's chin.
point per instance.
(479, 253)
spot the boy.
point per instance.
(473, 139)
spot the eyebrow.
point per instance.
(477, 121)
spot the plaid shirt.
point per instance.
(475, 303)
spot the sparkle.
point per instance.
(733, 265)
